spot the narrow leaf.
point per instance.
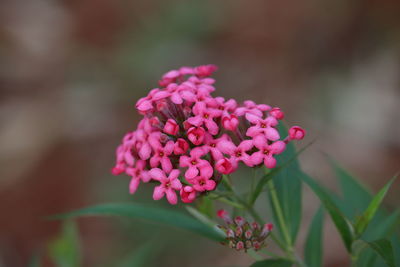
(341, 223)
(384, 249)
(355, 196)
(204, 219)
(65, 250)
(142, 256)
(313, 253)
(287, 184)
(147, 212)
(264, 180)
(272, 263)
(363, 221)
(385, 229)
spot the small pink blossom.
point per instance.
(211, 145)
(196, 135)
(195, 164)
(171, 127)
(296, 133)
(205, 116)
(161, 155)
(237, 153)
(230, 122)
(277, 113)
(226, 166)
(201, 184)
(181, 146)
(264, 126)
(188, 194)
(138, 174)
(266, 152)
(168, 186)
(205, 70)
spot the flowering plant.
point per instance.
(190, 145)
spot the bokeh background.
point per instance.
(71, 72)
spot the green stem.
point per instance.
(279, 213)
(226, 201)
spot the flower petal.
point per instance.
(159, 192)
(134, 184)
(191, 172)
(157, 174)
(171, 196)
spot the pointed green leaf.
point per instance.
(385, 229)
(272, 263)
(142, 256)
(384, 249)
(264, 180)
(341, 223)
(363, 221)
(355, 196)
(313, 253)
(148, 212)
(65, 250)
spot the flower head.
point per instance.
(187, 139)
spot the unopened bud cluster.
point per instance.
(242, 235)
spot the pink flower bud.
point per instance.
(238, 231)
(230, 122)
(277, 113)
(266, 229)
(239, 245)
(248, 234)
(188, 194)
(162, 104)
(224, 215)
(255, 226)
(256, 245)
(239, 220)
(225, 166)
(296, 133)
(181, 146)
(205, 70)
(171, 127)
(196, 135)
(230, 233)
(117, 170)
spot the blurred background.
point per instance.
(71, 72)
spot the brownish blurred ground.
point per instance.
(70, 72)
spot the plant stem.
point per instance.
(279, 213)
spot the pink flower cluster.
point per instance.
(187, 138)
(242, 235)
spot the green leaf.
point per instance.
(272, 263)
(341, 223)
(205, 205)
(142, 256)
(264, 180)
(385, 229)
(287, 184)
(355, 196)
(65, 250)
(313, 248)
(204, 219)
(147, 212)
(363, 221)
(383, 248)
